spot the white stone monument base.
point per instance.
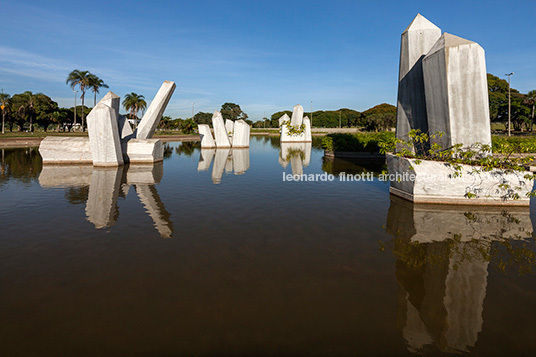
(434, 182)
(65, 150)
(141, 151)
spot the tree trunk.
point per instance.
(83, 111)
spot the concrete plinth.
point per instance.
(220, 132)
(207, 141)
(143, 151)
(241, 134)
(434, 182)
(150, 120)
(65, 150)
(416, 41)
(457, 92)
(103, 132)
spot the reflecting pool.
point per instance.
(212, 252)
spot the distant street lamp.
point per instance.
(74, 123)
(509, 112)
(311, 113)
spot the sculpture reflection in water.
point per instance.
(442, 258)
(105, 187)
(225, 159)
(297, 154)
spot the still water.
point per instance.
(212, 253)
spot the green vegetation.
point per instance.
(134, 102)
(359, 142)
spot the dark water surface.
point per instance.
(212, 253)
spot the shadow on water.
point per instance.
(100, 188)
(443, 254)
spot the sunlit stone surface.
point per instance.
(143, 151)
(416, 41)
(125, 130)
(220, 132)
(207, 141)
(229, 126)
(435, 182)
(296, 122)
(65, 150)
(150, 120)
(103, 132)
(241, 134)
(457, 92)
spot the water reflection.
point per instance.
(442, 259)
(100, 189)
(297, 154)
(225, 159)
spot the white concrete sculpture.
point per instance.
(220, 132)
(156, 109)
(225, 160)
(296, 129)
(103, 132)
(229, 126)
(241, 134)
(207, 141)
(457, 92)
(416, 41)
(105, 127)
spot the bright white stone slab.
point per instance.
(229, 126)
(283, 119)
(416, 41)
(143, 150)
(434, 182)
(297, 116)
(101, 206)
(150, 120)
(307, 135)
(103, 133)
(240, 161)
(220, 132)
(207, 141)
(125, 130)
(65, 150)
(241, 134)
(457, 92)
(205, 159)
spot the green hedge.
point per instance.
(359, 142)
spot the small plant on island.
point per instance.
(294, 130)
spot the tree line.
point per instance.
(25, 110)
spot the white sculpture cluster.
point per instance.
(295, 129)
(229, 134)
(111, 141)
(442, 86)
(225, 159)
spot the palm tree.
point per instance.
(134, 103)
(82, 80)
(95, 83)
(4, 97)
(531, 100)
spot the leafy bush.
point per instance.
(359, 142)
(502, 144)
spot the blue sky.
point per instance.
(264, 55)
